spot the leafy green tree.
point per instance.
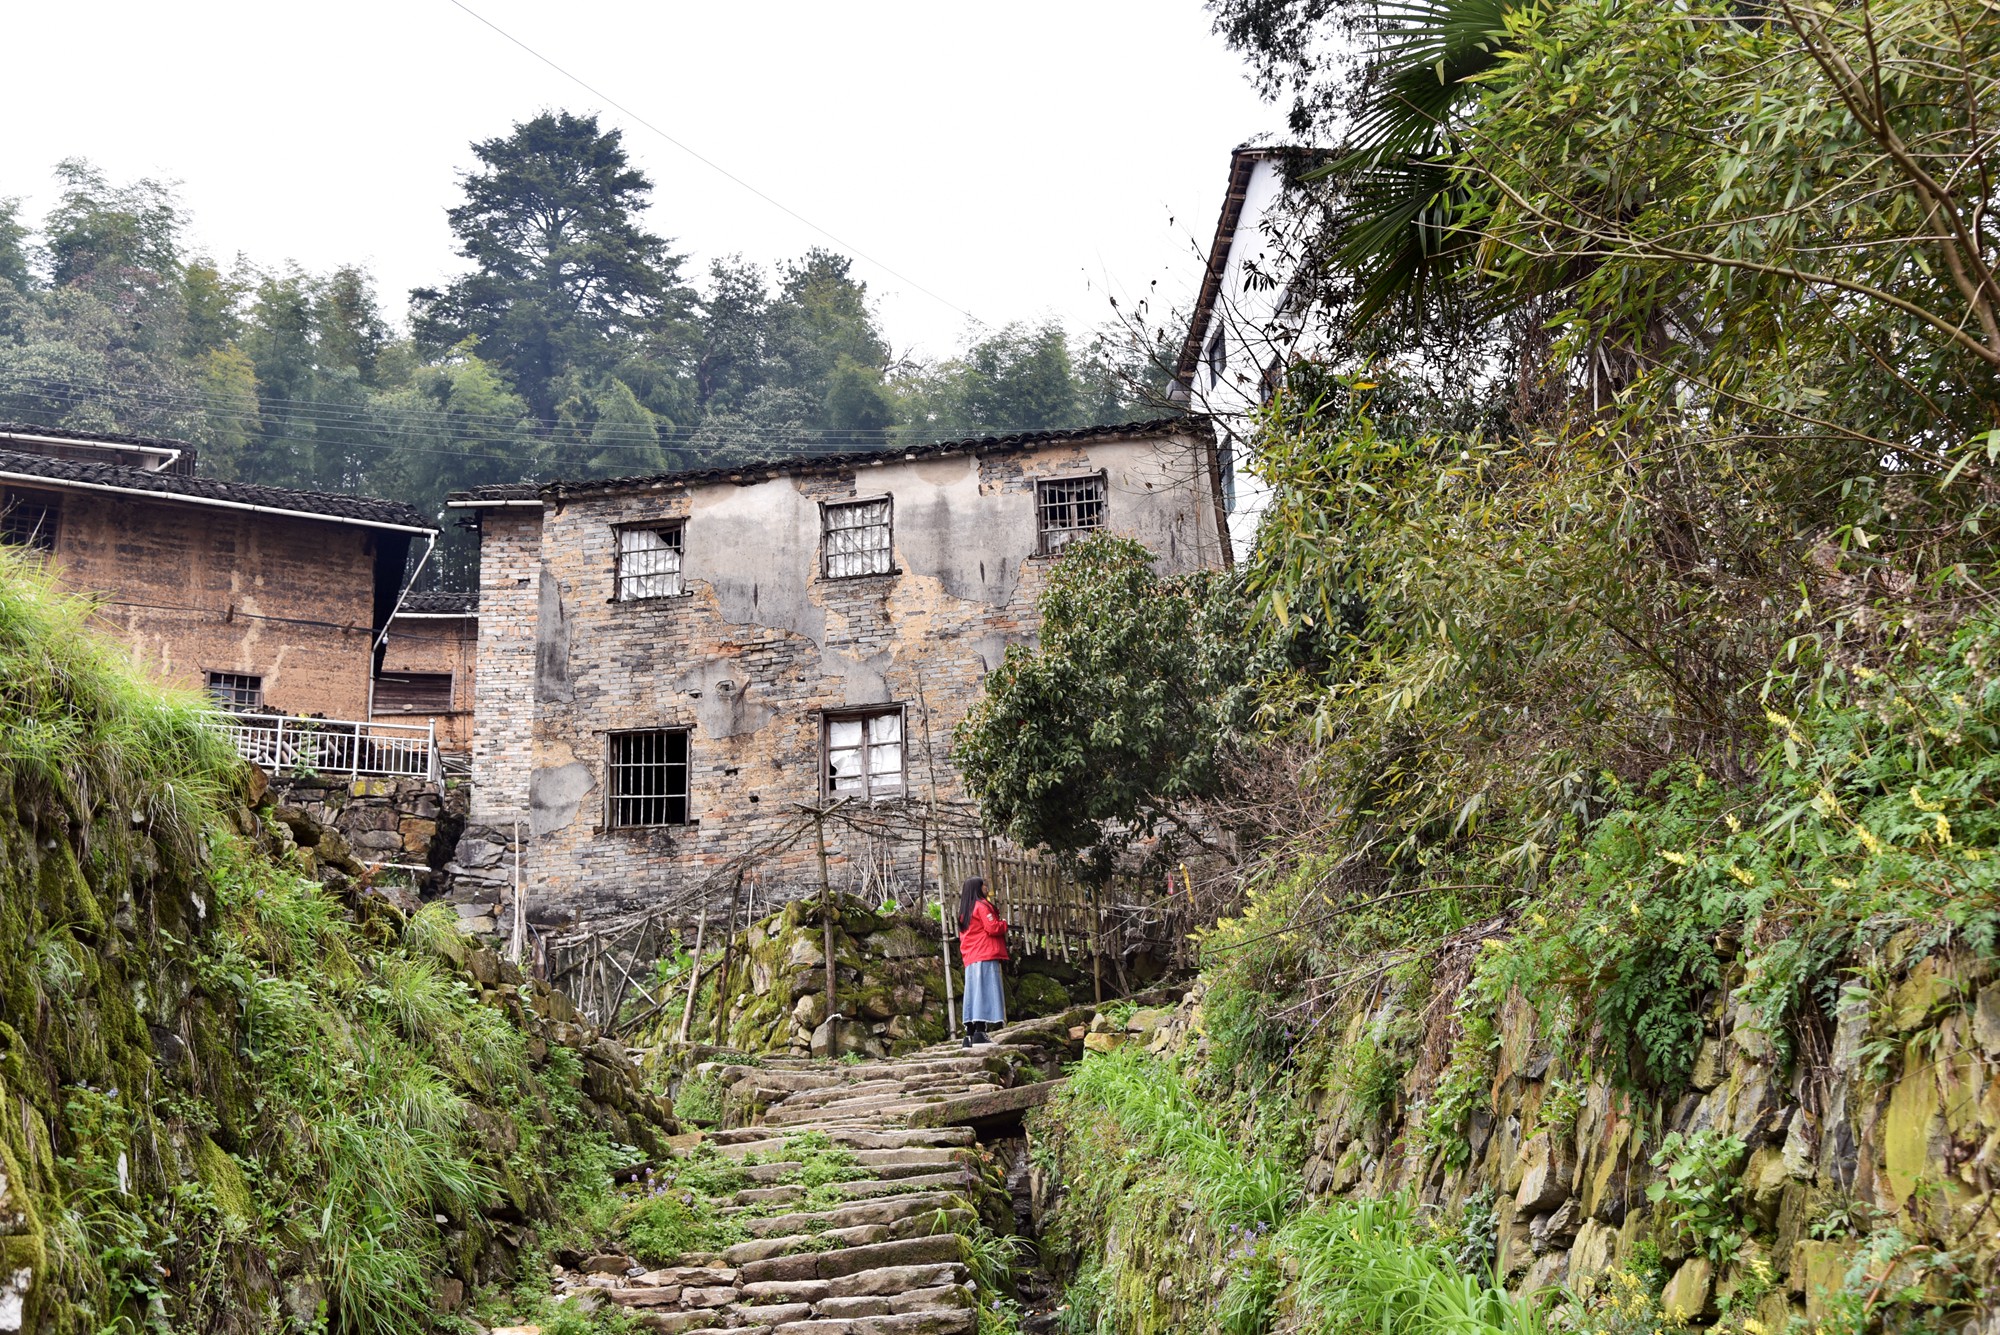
(565, 277)
(1114, 722)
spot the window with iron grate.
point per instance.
(236, 690)
(1067, 509)
(649, 562)
(856, 538)
(28, 519)
(864, 754)
(649, 778)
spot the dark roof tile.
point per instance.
(329, 505)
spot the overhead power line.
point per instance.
(487, 430)
(717, 167)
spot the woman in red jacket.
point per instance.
(982, 943)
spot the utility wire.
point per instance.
(483, 429)
(716, 166)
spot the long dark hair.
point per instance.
(971, 893)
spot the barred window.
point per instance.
(1068, 509)
(28, 519)
(864, 754)
(856, 535)
(649, 778)
(649, 562)
(236, 690)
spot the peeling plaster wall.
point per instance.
(760, 643)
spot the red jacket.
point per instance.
(985, 937)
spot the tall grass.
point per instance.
(1152, 1105)
(1367, 1265)
(1337, 1266)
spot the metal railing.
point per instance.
(287, 745)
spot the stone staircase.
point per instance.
(897, 1245)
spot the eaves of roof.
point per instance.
(1242, 163)
(331, 507)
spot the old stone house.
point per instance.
(265, 597)
(674, 670)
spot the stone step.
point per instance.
(941, 1249)
(928, 1223)
(785, 1115)
(885, 1210)
(761, 1142)
(876, 1163)
(945, 1321)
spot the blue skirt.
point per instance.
(985, 998)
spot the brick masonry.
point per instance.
(762, 643)
(193, 590)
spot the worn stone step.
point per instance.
(772, 1314)
(887, 1210)
(924, 1224)
(872, 1108)
(940, 1321)
(940, 1249)
(854, 1138)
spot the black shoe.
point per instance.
(979, 1036)
(966, 1042)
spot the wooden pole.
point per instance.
(520, 914)
(694, 973)
(1096, 946)
(825, 906)
(728, 957)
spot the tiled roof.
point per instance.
(363, 510)
(836, 463)
(92, 437)
(497, 492)
(443, 602)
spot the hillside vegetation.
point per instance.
(1595, 764)
(234, 1103)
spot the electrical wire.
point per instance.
(717, 167)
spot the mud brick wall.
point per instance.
(761, 644)
(194, 590)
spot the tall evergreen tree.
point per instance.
(565, 278)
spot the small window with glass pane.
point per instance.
(236, 690)
(649, 562)
(864, 755)
(856, 538)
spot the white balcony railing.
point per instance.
(285, 745)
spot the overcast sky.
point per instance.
(1018, 160)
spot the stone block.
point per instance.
(1103, 1042)
(1710, 1065)
(1547, 1166)
(417, 834)
(1819, 1271)
(1689, 1294)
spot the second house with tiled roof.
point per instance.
(675, 671)
(270, 599)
